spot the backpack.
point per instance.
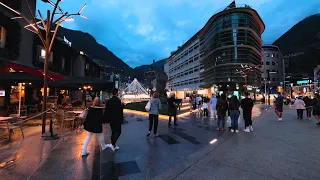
(222, 106)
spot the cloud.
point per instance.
(141, 30)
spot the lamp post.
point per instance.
(50, 26)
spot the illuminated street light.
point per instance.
(49, 26)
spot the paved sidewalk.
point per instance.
(138, 158)
(275, 150)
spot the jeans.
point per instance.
(205, 112)
(213, 113)
(174, 119)
(247, 115)
(234, 115)
(221, 119)
(116, 132)
(88, 138)
(153, 121)
(309, 112)
(300, 113)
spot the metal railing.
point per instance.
(237, 6)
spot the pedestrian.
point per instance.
(114, 112)
(172, 109)
(222, 108)
(93, 125)
(247, 105)
(190, 102)
(307, 100)
(234, 113)
(199, 100)
(205, 109)
(300, 106)
(213, 104)
(316, 107)
(154, 113)
(279, 106)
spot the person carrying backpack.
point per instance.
(247, 105)
(222, 108)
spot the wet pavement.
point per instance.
(139, 157)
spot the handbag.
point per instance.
(148, 106)
(84, 114)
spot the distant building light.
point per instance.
(81, 52)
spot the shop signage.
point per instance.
(67, 41)
(2, 93)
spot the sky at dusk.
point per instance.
(138, 31)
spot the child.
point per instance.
(205, 109)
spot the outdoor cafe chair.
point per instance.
(15, 122)
(65, 117)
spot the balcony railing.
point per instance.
(237, 6)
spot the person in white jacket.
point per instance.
(300, 106)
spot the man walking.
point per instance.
(279, 106)
(114, 115)
(172, 109)
(213, 104)
(247, 105)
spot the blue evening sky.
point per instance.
(138, 31)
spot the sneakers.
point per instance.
(105, 147)
(246, 130)
(85, 153)
(112, 148)
(117, 147)
(237, 131)
(232, 130)
(279, 119)
(251, 129)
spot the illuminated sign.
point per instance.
(67, 41)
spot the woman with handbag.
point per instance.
(93, 125)
(155, 106)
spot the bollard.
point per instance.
(52, 135)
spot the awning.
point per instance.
(19, 77)
(73, 82)
(33, 71)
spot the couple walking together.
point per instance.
(113, 114)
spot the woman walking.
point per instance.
(93, 125)
(154, 113)
(300, 106)
(308, 103)
(316, 108)
(222, 108)
(234, 113)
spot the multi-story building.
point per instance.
(183, 66)
(229, 40)
(272, 65)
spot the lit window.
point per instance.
(272, 55)
(43, 53)
(2, 37)
(87, 66)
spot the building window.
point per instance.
(267, 55)
(3, 35)
(267, 63)
(42, 55)
(262, 63)
(273, 79)
(272, 55)
(63, 63)
(273, 63)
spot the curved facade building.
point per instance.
(230, 38)
(272, 65)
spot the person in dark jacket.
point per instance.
(316, 107)
(93, 124)
(172, 109)
(234, 113)
(308, 103)
(247, 105)
(222, 108)
(114, 112)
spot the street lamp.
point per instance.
(50, 25)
